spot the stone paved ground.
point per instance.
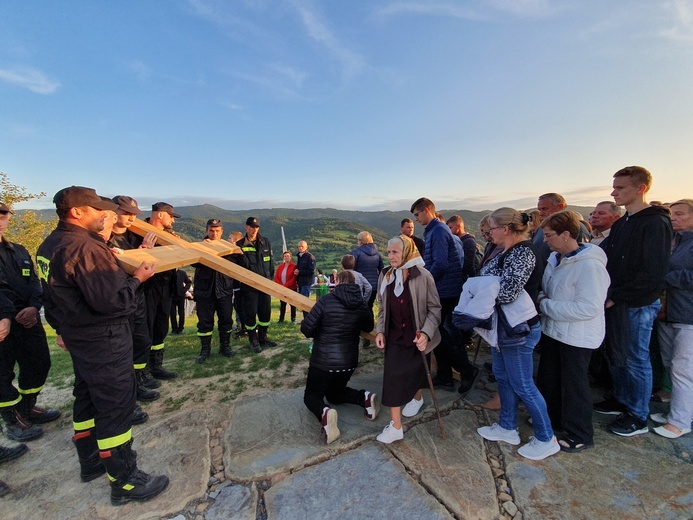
(266, 460)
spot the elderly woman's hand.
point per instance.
(380, 340)
(421, 340)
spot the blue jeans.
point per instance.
(633, 382)
(514, 368)
(304, 290)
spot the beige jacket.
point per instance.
(426, 305)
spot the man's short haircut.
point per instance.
(687, 202)
(405, 220)
(554, 198)
(346, 277)
(365, 237)
(637, 175)
(423, 203)
(613, 207)
(563, 221)
(348, 262)
(455, 219)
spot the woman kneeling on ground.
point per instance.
(572, 306)
(335, 322)
(408, 319)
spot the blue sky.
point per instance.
(350, 104)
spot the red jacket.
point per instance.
(290, 276)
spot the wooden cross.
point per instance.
(175, 252)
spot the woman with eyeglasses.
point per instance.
(518, 268)
(572, 320)
(408, 319)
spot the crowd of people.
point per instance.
(586, 293)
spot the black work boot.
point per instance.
(206, 349)
(144, 394)
(127, 482)
(156, 362)
(224, 344)
(31, 413)
(139, 416)
(88, 453)
(264, 340)
(18, 428)
(148, 381)
(254, 343)
(8, 454)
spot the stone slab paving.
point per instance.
(642, 477)
(47, 484)
(359, 484)
(275, 433)
(235, 501)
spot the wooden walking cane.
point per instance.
(433, 394)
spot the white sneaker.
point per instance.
(372, 406)
(538, 450)
(659, 418)
(329, 431)
(412, 407)
(391, 434)
(496, 432)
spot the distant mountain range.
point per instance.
(330, 233)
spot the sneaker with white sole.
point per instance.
(659, 418)
(539, 450)
(391, 434)
(627, 425)
(496, 432)
(412, 407)
(329, 430)
(371, 406)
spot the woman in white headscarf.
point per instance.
(408, 319)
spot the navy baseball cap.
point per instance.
(252, 222)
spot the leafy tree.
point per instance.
(26, 228)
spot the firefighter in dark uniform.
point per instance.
(91, 297)
(122, 238)
(213, 293)
(25, 345)
(257, 257)
(157, 292)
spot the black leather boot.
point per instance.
(18, 428)
(156, 362)
(254, 343)
(88, 453)
(225, 344)
(31, 413)
(127, 481)
(206, 349)
(144, 394)
(148, 381)
(264, 340)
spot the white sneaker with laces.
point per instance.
(391, 434)
(496, 432)
(412, 407)
(329, 429)
(539, 450)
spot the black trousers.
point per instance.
(104, 388)
(256, 305)
(141, 341)
(563, 380)
(333, 386)
(206, 307)
(158, 298)
(282, 311)
(28, 349)
(451, 352)
(177, 313)
(238, 307)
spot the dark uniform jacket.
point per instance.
(83, 280)
(335, 322)
(257, 256)
(18, 280)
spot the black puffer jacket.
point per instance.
(334, 323)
